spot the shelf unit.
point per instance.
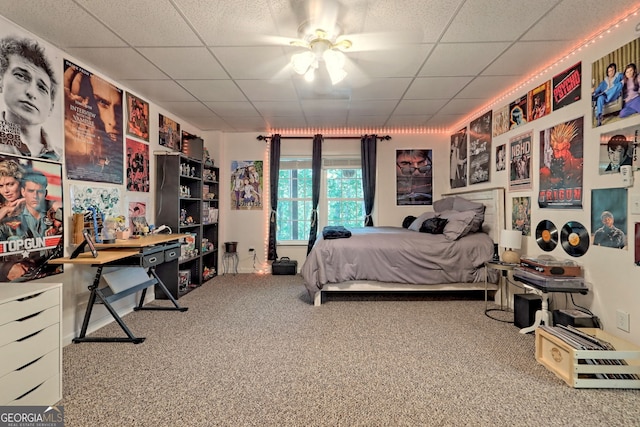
(210, 217)
(179, 205)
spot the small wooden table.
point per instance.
(504, 268)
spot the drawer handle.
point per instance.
(153, 259)
(172, 253)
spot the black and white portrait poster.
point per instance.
(92, 126)
(30, 96)
(609, 217)
(617, 148)
(480, 149)
(520, 161)
(561, 165)
(501, 157)
(458, 159)
(31, 218)
(567, 86)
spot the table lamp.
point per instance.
(510, 240)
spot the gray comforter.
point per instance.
(394, 254)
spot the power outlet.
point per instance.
(622, 320)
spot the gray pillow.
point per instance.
(458, 224)
(442, 205)
(417, 223)
(461, 204)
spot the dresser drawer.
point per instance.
(171, 254)
(18, 329)
(17, 309)
(18, 382)
(48, 393)
(20, 353)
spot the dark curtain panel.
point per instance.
(368, 153)
(316, 163)
(274, 173)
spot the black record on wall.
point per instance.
(574, 238)
(547, 235)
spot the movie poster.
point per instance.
(137, 209)
(137, 117)
(137, 166)
(609, 218)
(92, 127)
(169, 132)
(518, 112)
(567, 86)
(246, 185)
(501, 120)
(521, 215)
(458, 159)
(30, 126)
(520, 161)
(561, 153)
(617, 148)
(480, 149)
(501, 157)
(539, 101)
(31, 223)
(608, 90)
(414, 177)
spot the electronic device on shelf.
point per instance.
(550, 283)
(551, 267)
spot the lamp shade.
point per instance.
(511, 239)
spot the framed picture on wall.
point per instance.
(137, 117)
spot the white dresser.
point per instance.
(30, 343)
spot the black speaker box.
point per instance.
(524, 309)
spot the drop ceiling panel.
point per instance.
(187, 109)
(232, 109)
(213, 90)
(281, 108)
(267, 62)
(405, 61)
(436, 87)
(488, 87)
(120, 63)
(391, 88)
(372, 107)
(269, 90)
(462, 106)
(287, 122)
(185, 62)
(325, 106)
(159, 90)
(407, 120)
(366, 121)
(419, 107)
(462, 59)
(144, 22)
(524, 58)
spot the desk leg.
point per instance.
(95, 294)
(542, 316)
(164, 289)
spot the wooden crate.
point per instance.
(572, 365)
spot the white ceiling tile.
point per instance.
(391, 88)
(270, 90)
(405, 61)
(144, 22)
(436, 87)
(253, 62)
(525, 58)
(442, 120)
(327, 121)
(213, 90)
(398, 120)
(185, 62)
(488, 87)
(325, 106)
(419, 107)
(287, 122)
(274, 109)
(462, 106)
(187, 109)
(160, 90)
(461, 59)
(247, 124)
(119, 63)
(232, 109)
(366, 121)
(372, 107)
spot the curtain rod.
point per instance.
(264, 137)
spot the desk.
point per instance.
(147, 252)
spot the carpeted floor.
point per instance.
(253, 351)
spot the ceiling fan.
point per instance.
(321, 48)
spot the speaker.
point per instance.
(524, 309)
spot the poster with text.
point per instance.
(246, 185)
(458, 159)
(414, 179)
(611, 98)
(518, 112)
(137, 209)
(92, 126)
(31, 119)
(539, 101)
(137, 117)
(561, 153)
(137, 166)
(521, 215)
(617, 148)
(480, 149)
(609, 217)
(169, 132)
(31, 223)
(520, 161)
(567, 86)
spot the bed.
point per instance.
(396, 259)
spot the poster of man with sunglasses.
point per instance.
(414, 177)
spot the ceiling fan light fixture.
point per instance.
(336, 74)
(302, 61)
(310, 75)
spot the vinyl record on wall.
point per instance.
(547, 235)
(574, 238)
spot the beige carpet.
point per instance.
(253, 351)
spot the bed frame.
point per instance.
(494, 222)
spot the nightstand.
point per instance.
(504, 269)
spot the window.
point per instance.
(341, 199)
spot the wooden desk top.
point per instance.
(109, 252)
(104, 257)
